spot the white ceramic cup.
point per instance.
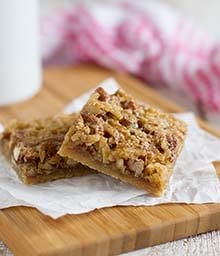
(20, 64)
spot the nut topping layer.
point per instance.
(32, 148)
(137, 140)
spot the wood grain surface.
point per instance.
(106, 231)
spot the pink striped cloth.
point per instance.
(145, 38)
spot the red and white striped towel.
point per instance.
(145, 38)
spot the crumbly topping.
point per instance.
(140, 140)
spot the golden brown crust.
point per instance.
(119, 137)
(31, 148)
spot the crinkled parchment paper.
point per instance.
(194, 179)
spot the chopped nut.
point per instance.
(89, 118)
(125, 121)
(136, 166)
(130, 104)
(120, 164)
(107, 155)
(103, 96)
(16, 153)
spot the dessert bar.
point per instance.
(117, 136)
(31, 148)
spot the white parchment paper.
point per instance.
(194, 179)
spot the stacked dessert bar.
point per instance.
(112, 134)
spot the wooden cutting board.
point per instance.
(107, 231)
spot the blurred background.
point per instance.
(173, 45)
(205, 14)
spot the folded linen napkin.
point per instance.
(145, 38)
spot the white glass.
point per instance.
(20, 64)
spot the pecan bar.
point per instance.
(126, 140)
(32, 147)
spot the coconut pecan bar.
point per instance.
(31, 148)
(119, 137)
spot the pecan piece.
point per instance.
(89, 118)
(125, 121)
(103, 96)
(130, 104)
